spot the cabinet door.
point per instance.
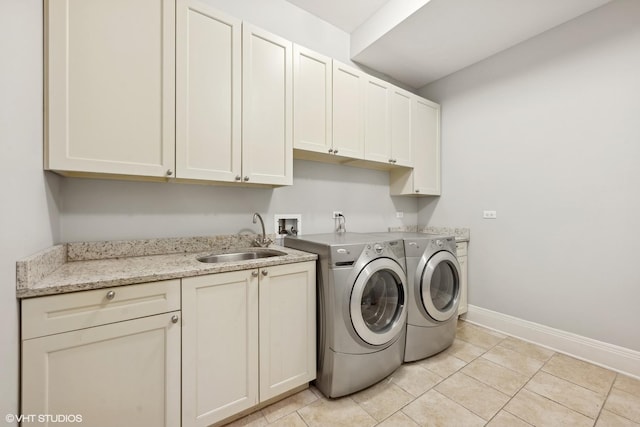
(462, 256)
(287, 327)
(377, 136)
(312, 99)
(110, 86)
(401, 112)
(219, 346)
(424, 178)
(208, 89)
(121, 374)
(426, 144)
(267, 115)
(348, 111)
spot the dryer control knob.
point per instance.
(439, 243)
(378, 248)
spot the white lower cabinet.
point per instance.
(461, 249)
(115, 374)
(219, 346)
(287, 328)
(248, 336)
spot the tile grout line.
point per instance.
(607, 398)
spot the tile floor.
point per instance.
(484, 378)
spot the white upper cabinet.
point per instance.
(377, 109)
(387, 136)
(426, 144)
(110, 86)
(208, 93)
(312, 100)
(175, 90)
(401, 127)
(267, 101)
(348, 111)
(424, 178)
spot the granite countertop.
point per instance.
(462, 234)
(82, 266)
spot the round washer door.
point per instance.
(377, 307)
(440, 286)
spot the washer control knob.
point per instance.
(378, 248)
(439, 243)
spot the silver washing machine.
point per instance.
(434, 292)
(362, 310)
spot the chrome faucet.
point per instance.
(264, 241)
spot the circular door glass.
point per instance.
(377, 306)
(441, 286)
(380, 300)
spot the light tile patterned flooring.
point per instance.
(484, 378)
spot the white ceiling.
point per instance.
(344, 14)
(419, 41)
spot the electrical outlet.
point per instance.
(489, 215)
(336, 214)
(399, 214)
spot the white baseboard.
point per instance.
(616, 358)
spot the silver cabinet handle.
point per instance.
(265, 272)
(417, 190)
(111, 295)
(330, 150)
(335, 151)
(246, 178)
(174, 318)
(238, 177)
(169, 172)
(254, 273)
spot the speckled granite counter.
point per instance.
(462, 234)
(75, 267)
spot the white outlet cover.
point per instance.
(489, 214)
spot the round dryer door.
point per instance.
(440, 286)
(377, 307)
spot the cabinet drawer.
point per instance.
(67, 312)
(461, 248)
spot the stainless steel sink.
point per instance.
(241, 255)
